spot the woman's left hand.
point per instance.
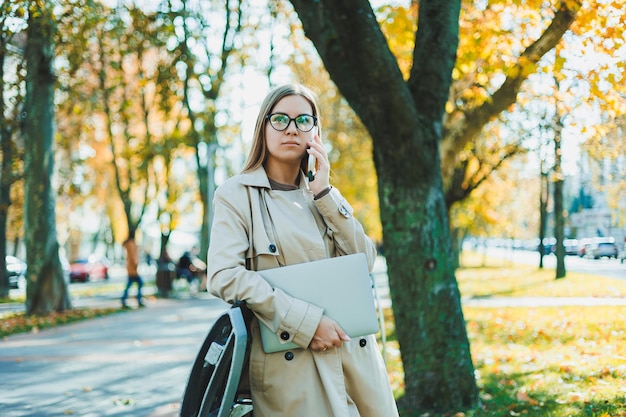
(328, 335)
(322, 175)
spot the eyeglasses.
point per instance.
(281, 121)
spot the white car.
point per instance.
(16, 270)
(604, 249)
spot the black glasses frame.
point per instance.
(291, 120)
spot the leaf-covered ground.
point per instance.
(539, 361)
(21, 323)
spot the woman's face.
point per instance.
(289, 145)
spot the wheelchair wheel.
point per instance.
(212, 386)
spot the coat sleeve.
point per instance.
(229, 279)
(345, 229)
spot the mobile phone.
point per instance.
(311, 165)
(310, 172)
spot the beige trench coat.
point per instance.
(288, 227)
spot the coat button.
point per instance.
(272, 248)
(284, 336)
(289, 356)
(362, 342)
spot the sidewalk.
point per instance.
(135, 363)
(542, 301)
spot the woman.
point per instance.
(269, 216)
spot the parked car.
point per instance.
(571, 246)
(602, 249)
(16, 270)
(549, 245)
(89, 269)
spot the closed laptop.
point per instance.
(342, 286)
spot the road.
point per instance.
(611, 268)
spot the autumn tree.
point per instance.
(496, 38)
(118, 102)
(46, 288)
(205, 36)
(498, 58)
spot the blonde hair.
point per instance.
(258, 152)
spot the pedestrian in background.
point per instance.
(132, 263)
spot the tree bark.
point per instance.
(559, 221)
(405, 122)
(6, 147)
(543, 213)
(46, 288)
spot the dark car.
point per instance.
(571, 246)
(16, 270)
(89, 269)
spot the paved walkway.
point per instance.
(129, 364)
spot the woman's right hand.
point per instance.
(328, 335)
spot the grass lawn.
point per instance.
(484, 277)
(539, 361)
(19, 322)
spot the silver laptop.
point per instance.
(342, 286)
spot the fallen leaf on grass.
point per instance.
(486, 396)
(522, 396)
(577, 396)
(507, 382)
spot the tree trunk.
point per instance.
(559, 221)
(166, 272)
(405, 122)
(543, 214)
(6, 163)
(46, 289)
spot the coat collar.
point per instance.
(255, 178)
(258, 178)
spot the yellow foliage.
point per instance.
(399, 24)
